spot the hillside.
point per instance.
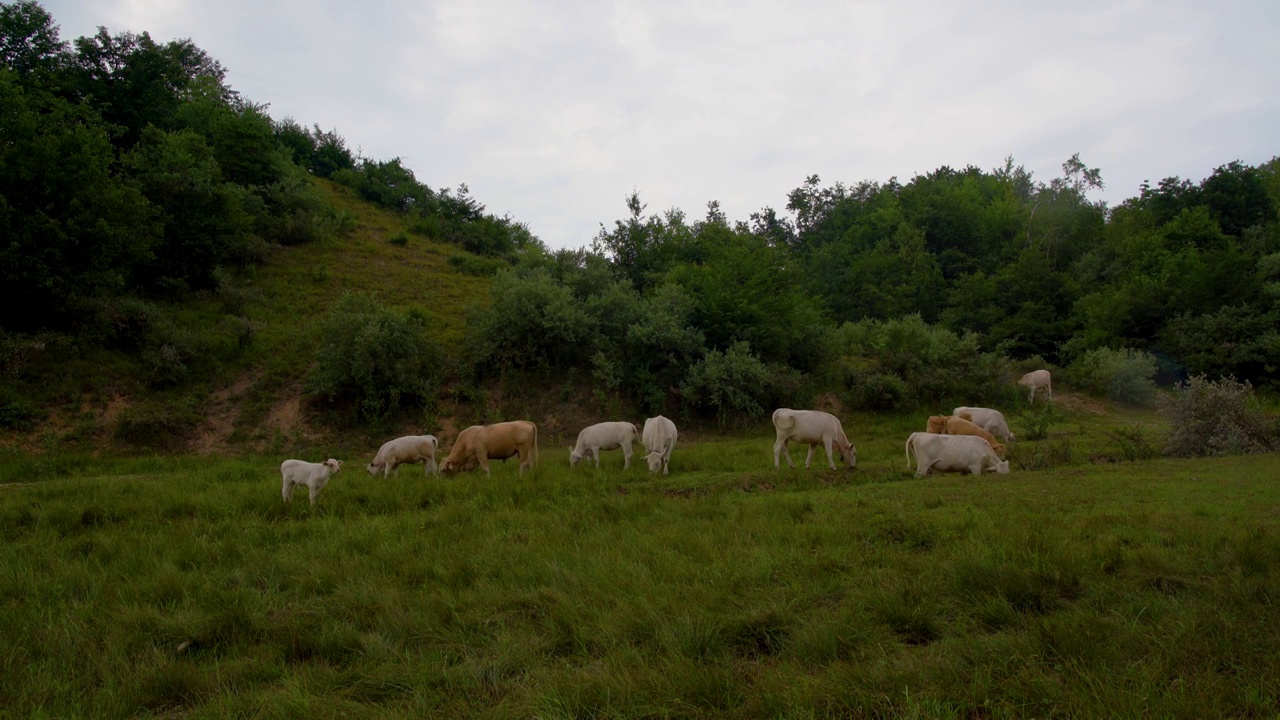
(252, 399)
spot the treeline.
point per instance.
(897, 295)
(130, 172)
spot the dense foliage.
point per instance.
(131, 175)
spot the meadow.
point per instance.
(175, 586)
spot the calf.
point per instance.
(952, 453)
(479, 444)
(405, 451)
(604, 436)
(990, 420)
(960, 425)
(659, 439)
(1036, 380)
(813, 428)
(314, 475)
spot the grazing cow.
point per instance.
(659, 439)
(1037, 379)
(405, 451)
(990, 420)
(604, 436)
(313, 475)
(479, 444)
(956, 425)
(814, 428)
(952, 453)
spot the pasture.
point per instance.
(175, 586)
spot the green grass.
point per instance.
(168, 586)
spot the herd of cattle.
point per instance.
(964, 441)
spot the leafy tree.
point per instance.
(70, 230)
(377, 359)
(29, 42)
(730, 383)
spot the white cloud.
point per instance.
(553, 112)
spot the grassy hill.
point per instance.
(244, 395)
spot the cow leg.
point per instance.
(483, 459)
(780, 448)
(666, 459)
(1049, 387)
(626, 456)
(595, 453)
(830, 460)
(312, 491)
(808, 458)
(286, 491)
(923, 469)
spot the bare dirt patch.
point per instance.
(220, 419)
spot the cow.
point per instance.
(314, 476)
(406, 450)
(814, 428)
(604, 436)
(659, 439)
(952, 453)
(957, 425)
(1037, 379)
(479, 444)
(990, 420)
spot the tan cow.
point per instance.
(479, 444)
(961, 425)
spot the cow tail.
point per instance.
(908, 451)
(535, 446)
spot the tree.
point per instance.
(29, 42)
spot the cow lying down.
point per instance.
(953, 453)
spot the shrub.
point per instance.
(733, 382)
(1037, 419)
(18, 414)
(531, 322)
(158, 424)
(400, 239)
(1122, 375)
(476, 266)
(1217, 418)
(908, 363)
(374, 357)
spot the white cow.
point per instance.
(814, 428)
(990, 420)
(953, 453)
(406, 450)
(659, 440)
(1037, 379)
(604, 436)
(313, 475)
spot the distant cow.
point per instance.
(479, 444)
(659, 439)
(1037, 379)
(406, 450)
(990, 420)
(314, 476)
(604, 436)
(813, 428)
(952, 453)
(953, 425)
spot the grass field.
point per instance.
(176, 586)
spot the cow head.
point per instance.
(575, 458)
(1002, 467)
(334, 465)
(1000, 451)
(655, 461)
(447, 467)
(937, 424)
(848, 453)
(375, 468)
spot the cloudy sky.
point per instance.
(555, 111)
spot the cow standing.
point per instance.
(814, 428)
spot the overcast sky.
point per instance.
(553, 112)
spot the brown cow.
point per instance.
(479, 444)
(962, 425)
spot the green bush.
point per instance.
(476, 266)
(1122, 375)
(907, 363)
(157, 424)
(532, 322)
(727, 384)
(400, 239)
(375, 358)
(1217, 418)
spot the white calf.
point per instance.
(659, 440)
(313, 475)
(604, 436)
(990, 420)
(1037, 379)
(953, 453)
(814, 428)
(405, 451)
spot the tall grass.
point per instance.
(173, 586)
